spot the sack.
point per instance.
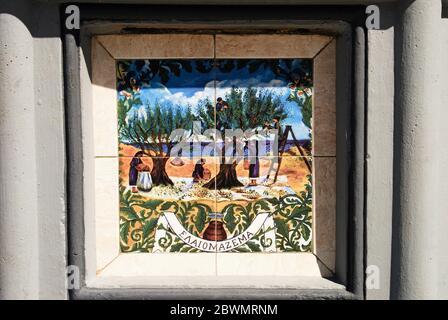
(246, 164)
(207, 174)
(144, 181)
(177, 162)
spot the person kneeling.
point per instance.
(199, 172)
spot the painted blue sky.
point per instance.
(190, 87)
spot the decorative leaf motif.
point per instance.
(149, 226)
(282, 229)
(305, 231)
(241, 249)
(292, 216)
(299, 212)
(124, 231)
(200, 219)
(167, 205)
(253, 246)
(230, 221)
(263, 205)
(151, 204)
(177, 246)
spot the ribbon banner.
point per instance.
(168, 219)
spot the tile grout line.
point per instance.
(102, 45)
(323, 48)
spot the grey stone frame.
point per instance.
(345, 23)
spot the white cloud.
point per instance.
(163, 94)
(179, 98)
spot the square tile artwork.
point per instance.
(215, 155)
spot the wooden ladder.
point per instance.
(275, 165)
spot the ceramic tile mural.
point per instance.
(215, 155)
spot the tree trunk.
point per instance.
(158, 172)
(225, 179)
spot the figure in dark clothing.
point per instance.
(221, 105)
(253, 163)
(134, 169)
(198, 172)
(221, 114)
(277, 126)
(254, 167)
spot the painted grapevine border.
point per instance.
(292, 216)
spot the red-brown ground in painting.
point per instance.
(292, 167)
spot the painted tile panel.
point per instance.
(284, 203)
(147, 209)
(269, 98)
(271, 216)
(219, 191)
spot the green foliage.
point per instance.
(150, 128)
(148, 227)
(239, 217)
(230, 221)
(282, 229)
(248, 109)
(193, 216)
(151, 204)
(293, 221)
(129, 216)
(205, 114)
(200, 219)
(138, 226)
(144, 71)
(123, 107)
(303, 97)
(292, 216)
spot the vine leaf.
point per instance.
(305, 231)
(151, 204)
(124, 231)
(149, 226)
(298, 212)
(177, 246)
(130, 214)
(167, 205)
(230, 221)
(200, 219)
(282, 229)
(263, 205)
(253, 246)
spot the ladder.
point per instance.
(275, 165)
